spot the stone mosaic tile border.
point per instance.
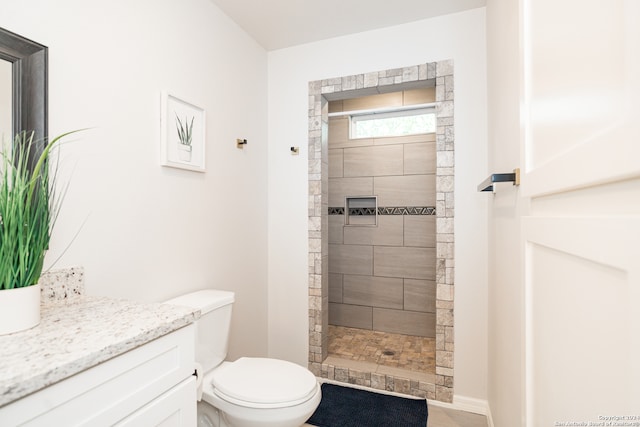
(440, 73)
(389, 210)
(379, 381)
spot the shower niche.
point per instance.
(361, 210)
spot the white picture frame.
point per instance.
(182, 134)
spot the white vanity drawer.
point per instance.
(109, 392)
(175, 408)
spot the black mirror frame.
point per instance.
(29, 68)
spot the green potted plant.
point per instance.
(28, 209)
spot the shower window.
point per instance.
(393, 123)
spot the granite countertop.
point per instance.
(78, 333)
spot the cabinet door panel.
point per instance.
(175, 408)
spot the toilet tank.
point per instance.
(212, 329)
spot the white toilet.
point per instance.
(250, 392)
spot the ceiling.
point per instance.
(276, 24)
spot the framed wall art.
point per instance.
(182, 134)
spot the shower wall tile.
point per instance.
(338, 130)
(335, 163)
(343, 187)
(351, 259)
(409, 263)
(350, 143)
(408, 190)
(336, 106)
(387, 233)
(420, 231)
(419, 96)
(335, 287)
(382, 292)
(409, 139)
(393, 99)
(362, 220)
(336, 225)
(420, 158)
(351, 316)
(404, 322)
(420, 295)
(373, 161)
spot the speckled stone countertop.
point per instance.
(76, 333)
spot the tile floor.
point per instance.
(411, 353)
(445, 417)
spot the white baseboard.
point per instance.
(489, 417)
(471, 404)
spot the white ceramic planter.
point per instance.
(19, 309)
(184, 152)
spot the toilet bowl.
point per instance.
(252, 391)
(260, 392)
(208, 416)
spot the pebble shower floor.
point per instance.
(407, 352)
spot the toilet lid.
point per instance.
(263, 381)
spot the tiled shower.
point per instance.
(441, 75)
(382, 223)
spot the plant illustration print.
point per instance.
(185, 133)
(185, 137)
(182, 134)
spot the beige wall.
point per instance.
(382, 267)
(460, 37)
(144, 231)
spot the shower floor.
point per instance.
(390, 353)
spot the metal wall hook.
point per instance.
(240, 143)
(487, 184)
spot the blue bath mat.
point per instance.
(351, 407)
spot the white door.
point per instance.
(581, 179)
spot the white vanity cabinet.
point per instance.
(151, 385)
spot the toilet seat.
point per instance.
(264, 383)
